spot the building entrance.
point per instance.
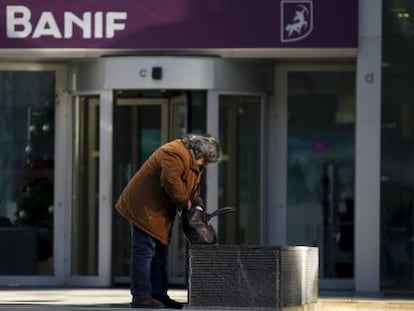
(124, 116)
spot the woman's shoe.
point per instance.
(170, 303)
(147, 303)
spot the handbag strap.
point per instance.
(220, 211)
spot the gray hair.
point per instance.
(204, 145)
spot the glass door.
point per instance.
(239, 174)
(85, 187)
(186, 115)
(140, 127)
(144, 120)
(177, 250)
(88, 241)
(320, 130)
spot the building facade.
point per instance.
(309, 99)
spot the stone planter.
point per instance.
(241, 276)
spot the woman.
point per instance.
(167, 180)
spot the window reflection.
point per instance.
(320, 184)
(27, 112)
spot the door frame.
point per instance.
(104, 277)
(278, 158)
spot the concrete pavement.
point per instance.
(71, 299)
(117, 299)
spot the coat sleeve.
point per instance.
(173, 177)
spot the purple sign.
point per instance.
(178, 24)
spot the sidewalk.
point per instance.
(115, 299)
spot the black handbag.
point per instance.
(196, 224)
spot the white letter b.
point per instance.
(18, 15)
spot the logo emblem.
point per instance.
(296, 22)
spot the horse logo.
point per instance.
(296, 19)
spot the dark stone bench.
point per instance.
(241, 276)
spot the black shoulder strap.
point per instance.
(222, 210)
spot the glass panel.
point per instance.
(179, 117)
(85, 207)
(197, 115)
(397, 147)
(27, 131)
(320, 181)
(240, 169)
(137, 131)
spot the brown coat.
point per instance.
(166, 180)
